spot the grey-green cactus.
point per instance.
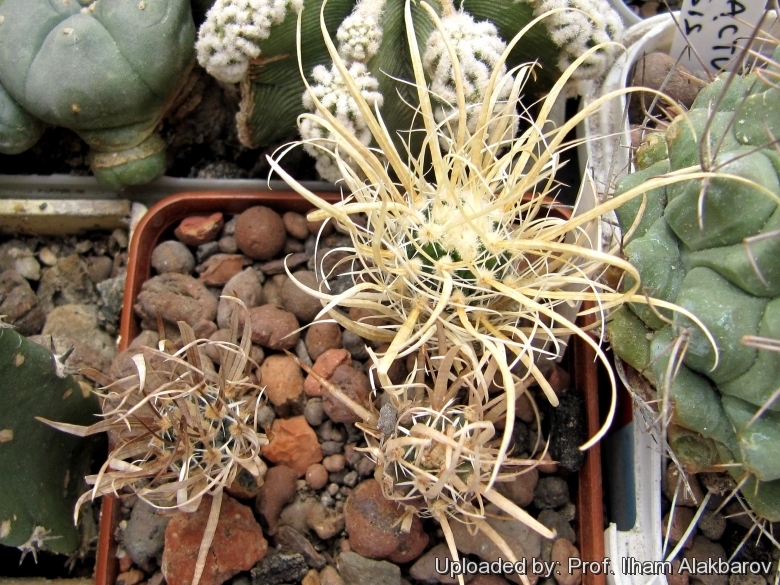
(107, 69)
(40, 467)
(711, 247)
(372, 35)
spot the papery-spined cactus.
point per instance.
(107, 69)
(711, 246)
(40, 468)
(373, 33)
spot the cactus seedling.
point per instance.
(459, 257)
(41, 468)
(180, 430)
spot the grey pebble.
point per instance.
(280, 567)
(712, 525)
(205, 251)
(303, 353)
(144, 535)
(355, 345)
(331, 447)
(172, 256)
(265, 416)
(313, 412)
(227, 245)
(551, 492)
(351, 478)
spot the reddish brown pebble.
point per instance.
(277, 491)
(238, 544)
(353, 384)
(558, 378)
(282, 378)
(521, 489)
(317, 476)
(260, 233)
(295, 224)
(334, 463)
(125, 563)
(293, 443)
(562, 551)
(687, 488)
(547, 465)
(132, 577)
(681, 519)
(325, 365)
(678, 577)
(273, 327)
(197, 230)
(374, 526)
(177, 297)
(218, 269)
(320, 227)
(322, 336)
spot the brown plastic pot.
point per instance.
(160, 221)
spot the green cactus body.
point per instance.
(39, 466)
(693, 451)
(106, 69)
(727, 232)
(729, 313)
(714, 223)
(654, 149)
(656, 198)
(658, 253)
(632, 336)
(18, 129)
(757, 441)
(272, 89)
(695, 402)
(759, 383)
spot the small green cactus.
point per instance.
(40, 468)
(107, 69)
(710, 246)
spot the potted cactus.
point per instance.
(480, 310)
(42, 468)
(159, 90)
(111, 88)
(707, 388)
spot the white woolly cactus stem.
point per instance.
(229, 38)
(359, 35)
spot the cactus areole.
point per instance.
(107, 69)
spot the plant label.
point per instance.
(711, 34)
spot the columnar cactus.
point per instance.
(107, 69)
(373, 33)
(710, 246)
(40, 467)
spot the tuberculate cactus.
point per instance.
(107, 69)
(710, 246)
(40, 468)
